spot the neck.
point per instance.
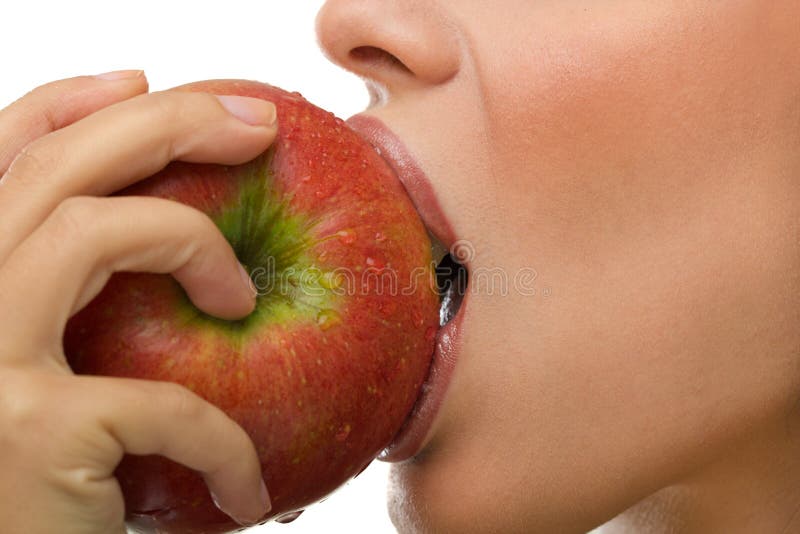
(753, 487)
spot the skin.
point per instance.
(642, 157)
(58, 145)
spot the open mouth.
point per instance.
(451, 281)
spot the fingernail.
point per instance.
(120, 74)
(242, 521)
(265, 497)
(253, 111)
(248, 282)
(267, 506)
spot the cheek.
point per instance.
(617, 137)
(583, 69)
(619, 88)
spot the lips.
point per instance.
(416, 430)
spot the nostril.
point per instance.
(377, 58)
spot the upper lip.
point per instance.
(408, 171)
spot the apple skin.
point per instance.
(321, 391)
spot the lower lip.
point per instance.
(416, 431)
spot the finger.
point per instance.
(69, 258)
(126, 142)
(148, 417)
(58, 104)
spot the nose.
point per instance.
(396, 45)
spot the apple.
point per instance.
(324, 372)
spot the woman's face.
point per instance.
(642, 158)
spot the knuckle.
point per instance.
(22, 403)
(181, 115)
(180, 401)
(165, 107)
(47, 90)
(42, 100)
(87, 484)
(244, 444)
(198, 227)
(200, 223)
(73, 217)
(33, 164)
(181, 107)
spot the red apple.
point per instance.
(324, 372)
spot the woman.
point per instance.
(641, 158)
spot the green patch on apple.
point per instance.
(273, 244)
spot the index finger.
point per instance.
(124, 143)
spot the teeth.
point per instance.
(449, 306)
(438, 250)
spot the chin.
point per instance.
(421, 501)
(438, 492)
(409, 508)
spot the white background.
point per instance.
(177, 42)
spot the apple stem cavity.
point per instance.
(273, 244)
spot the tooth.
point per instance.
(438, 250)
(446, 309)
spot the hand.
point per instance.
(62, 147)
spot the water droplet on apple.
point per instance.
(328, 318)
(343, 432)
(376, 263)
(288, 518)
(348, 237)
(430, 333)
(387, 307)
